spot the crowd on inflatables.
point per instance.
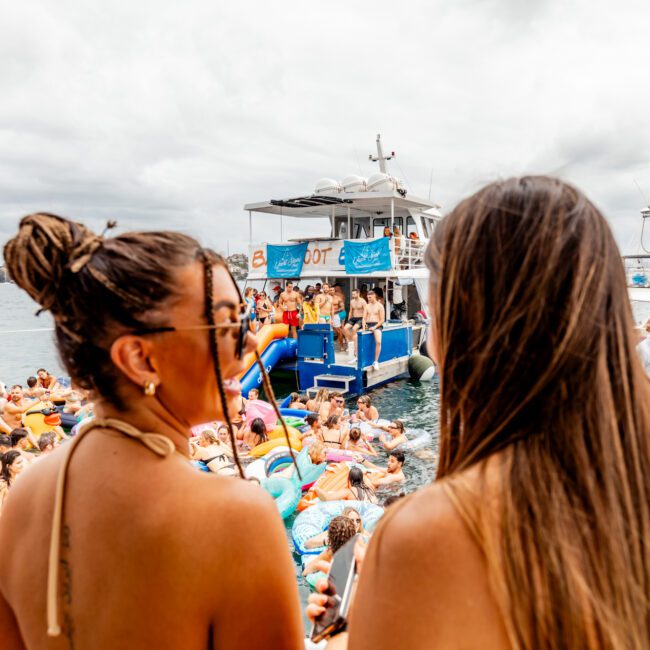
(33, 422)
(331, 449)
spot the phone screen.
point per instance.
(341, 578)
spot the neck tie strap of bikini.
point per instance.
(161, 445)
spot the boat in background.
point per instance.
(358, 211)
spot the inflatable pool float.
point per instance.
(370, 430)
(335, 478)
(41, 418)
(266, 447)
(285, 492)
(296, 413)
(280, 459)
(257, 408)
(315, 520)
(256, 470)
(278, 432)
(417, 439)
(296, 423)
(342, 456)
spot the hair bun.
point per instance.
(44, 249)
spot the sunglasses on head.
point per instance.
(242, 326)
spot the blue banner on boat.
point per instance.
(285, 261)
(367, 256)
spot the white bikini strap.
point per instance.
(158, 443)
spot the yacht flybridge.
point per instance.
(377, 236)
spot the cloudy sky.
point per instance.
(175, 114)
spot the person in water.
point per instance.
(396, 435)
(340, 530)
(11, 465)
(353, 515)
(367, 412)
(358, 489)
(334, 406)
(256, 434)
(535, 532)
(314, 404)
(393, 473)
(334, 432)
(356, 442)
(166, 322)
(46, 381)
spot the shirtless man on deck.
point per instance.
(289, 302)
(373, 320)
(324, 301)
(357, 307)
(338, 309)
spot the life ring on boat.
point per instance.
(285, 492)
(314, 521)
(266, 447)
(417, 439)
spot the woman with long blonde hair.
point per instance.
(536, 532)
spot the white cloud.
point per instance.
(175, 115)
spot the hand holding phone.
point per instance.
(339, 592)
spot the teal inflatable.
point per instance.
(280, 460)
(285, 492)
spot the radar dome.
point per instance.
(381, 182)
(354, 183)
(327, 186)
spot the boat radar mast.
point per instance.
(380, 158)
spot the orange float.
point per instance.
(335, 478)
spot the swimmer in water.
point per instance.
(392, 475)
(356, 442)
(367, 412)
(358, 489)
(340, 530)
(396, 435)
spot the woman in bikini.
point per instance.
(535, 532)
(356, 442)
(334, 432)
(121, 504)
(314, 404)
(264, 308)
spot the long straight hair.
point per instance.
(534, 337)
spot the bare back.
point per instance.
(154, 555)
(426, 573)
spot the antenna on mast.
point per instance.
(380, 158)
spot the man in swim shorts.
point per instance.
(324, 302)
(372, 321)
(357, 307)
(392, 474)
(290, 300)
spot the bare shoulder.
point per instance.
(424, 565)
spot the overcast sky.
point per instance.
(175, 114)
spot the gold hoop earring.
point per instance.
(149, 388)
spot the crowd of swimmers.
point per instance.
(329, 425)
(19, 445)
(323, 304)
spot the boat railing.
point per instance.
(637, 271)
(409, 253)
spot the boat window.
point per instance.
(410, 226)
(379, 224)
(341, 228)
(428, 224)
(361, 230)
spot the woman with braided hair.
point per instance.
(142, 320)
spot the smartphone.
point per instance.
(346, 413)
(340, 578)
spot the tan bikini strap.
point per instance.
(158, 443)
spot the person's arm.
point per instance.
(369, 465)
(317, 541)
(364, 317)
(382, 316)
(4, 427)
(314, 565)
(11, 638)
(389, 445)
(250, 569)
(387, 479)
